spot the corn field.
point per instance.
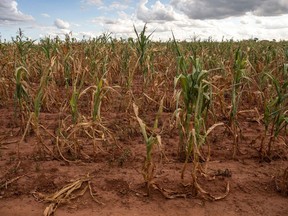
(116, 100)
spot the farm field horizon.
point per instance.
(133, 126)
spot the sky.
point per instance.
(188, 19)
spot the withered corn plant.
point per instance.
(5, 84)
(21, 97)
(92, 128)
(238, 82)
(72, 140)
(76, 90)
(100, 90)
(23, 45)
(151, 137)
(125, 61)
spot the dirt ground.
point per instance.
(115, 173)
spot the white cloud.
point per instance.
(88, 34)
(104, 21)
(237, 19)
(121, 27)
(119, 6)
(60, 33)
(9, 13)
(185, 28)
(158, 12)
(161, 19)
(45, 15)
(93, 2)
(258, 21)
(61, 24)
(275, 23)
(217, 19)
(53, 31)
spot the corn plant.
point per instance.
(33, 121)
(100, 89)
(47, 47)
(142, 43)
(196, 94)
(74, 103)
(23, 45)
(275, 111)
(97, 97)
(195, 91)
(67, 138)
(150, 140)
(75, 97)
(98, 94)
(142, 46)
(68, 59)
(21, 94)
(41, 90)
(125, 69)
(238, 84)
(21, 97)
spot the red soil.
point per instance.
(116, 175)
